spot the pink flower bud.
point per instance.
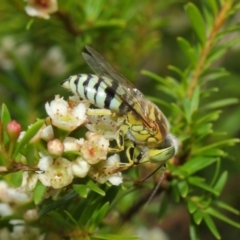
(13, 130)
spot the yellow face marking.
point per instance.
(137, 128)
(144, 132)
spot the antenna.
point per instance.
(157, 186)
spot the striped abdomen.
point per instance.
(100, 91)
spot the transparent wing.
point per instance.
(126, 92)
(100, 66)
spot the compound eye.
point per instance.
(161, 155)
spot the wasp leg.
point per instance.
(95, 112)
(120, 143)
(130, 155)
(120, 166)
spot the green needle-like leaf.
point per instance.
(222, 217)
(208, 220)
(60, 202)
(221, 103)
(198, 216)
(94, 187)
(187, 49)
(197, 163)
(192, 207)
(29, 134)
(197, 22)
(195, 100)
(228, 142)
(97, 217)
(183, 188)
(5, 118)
(227, 207)
(194, 233)
(115, 237)
(82, 190)
(199, 183)
(38, 192)
(163, 206)
(221, 182)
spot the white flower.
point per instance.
(64, 115)
(10, 46)
(80, 168)
(17, 195)
(95, 148)
(154, 233)
(72, 144)
(21, 231)
(108, 170)
(116, 178)
(58, 173)
(45, 162)
(22, 134)
(12, 195)
(54, 62)
(8, 43)
(47, 133)
(103, 125)
(5, 209)
(41, 8)
(23, 50)
(29, 181)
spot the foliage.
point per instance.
(40, 53)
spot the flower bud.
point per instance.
(13, 130)
(55, 147)
(31, 215)
(80, 168)
(72, 144)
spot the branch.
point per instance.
(66, 20)
(207, 48)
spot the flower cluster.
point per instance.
(67, 157)
(10, 46)
(10, 200)
(70, 145)
(53, 61)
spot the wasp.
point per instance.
(141, 121)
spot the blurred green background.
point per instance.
(37, 54)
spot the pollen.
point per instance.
(91, 152)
